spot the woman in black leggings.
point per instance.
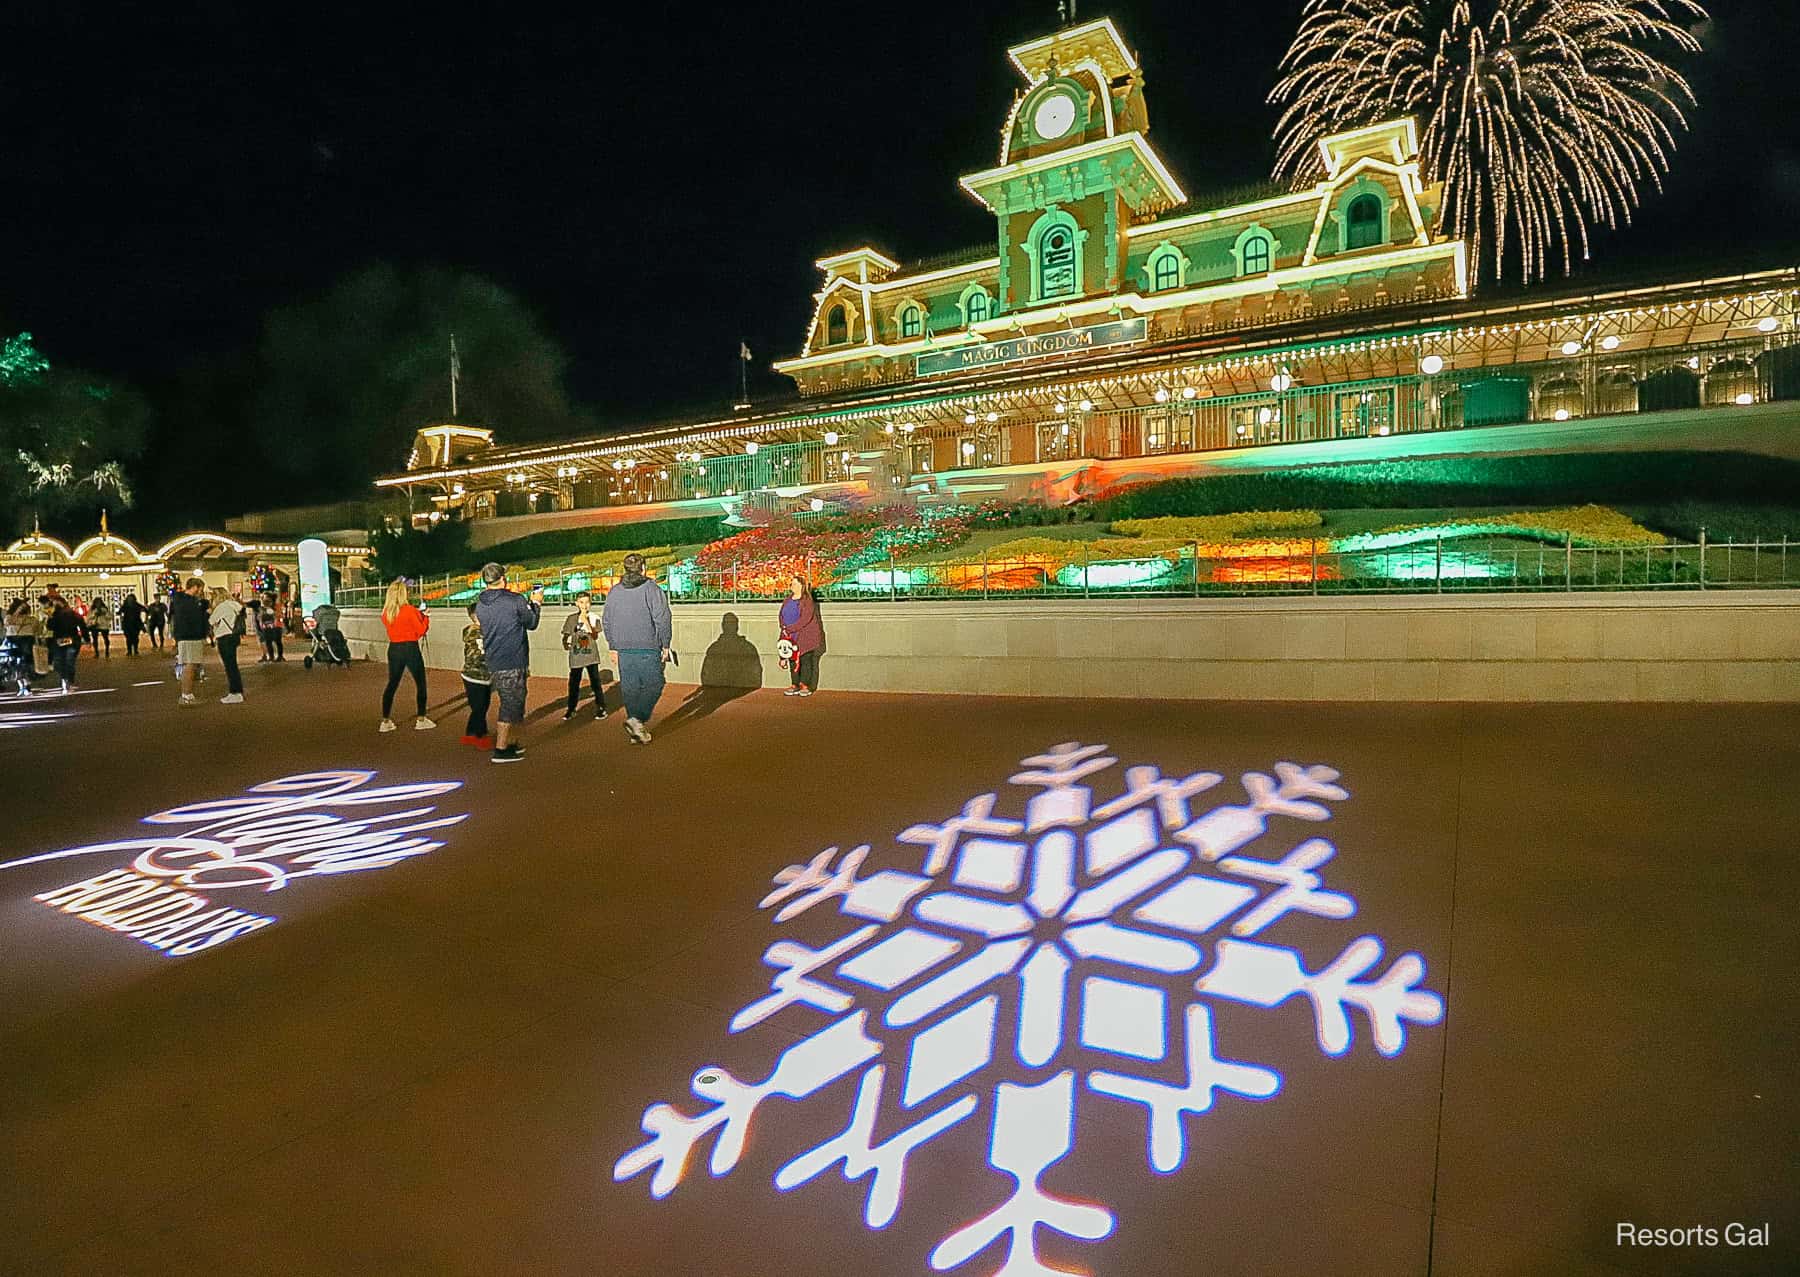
(406, 624)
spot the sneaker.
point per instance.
(803, 691)
(568, 716)
(466, 739)
(792, 691)
(423, 724)
(387, 725)
(236, 698)
(188, 698)
(511, 754)
(640, 735)
(483, 742)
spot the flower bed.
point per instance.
(762, 560)
(1588, 525)
(1220, 527)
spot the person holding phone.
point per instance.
(506, 621)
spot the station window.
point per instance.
(1056, 262)
(977, 307)
(1058, 441)
(1363, 223)
(1256, 255)
(837, 327)
(1167, 273)
(1171, 431)
(1366, 412)
(912, 322)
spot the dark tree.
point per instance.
(345, 379)
(64, 438)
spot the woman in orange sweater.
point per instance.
(406, 624)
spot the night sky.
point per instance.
(656, 185)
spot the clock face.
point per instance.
(1055, 114)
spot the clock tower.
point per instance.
(1076, 167)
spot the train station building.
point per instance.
(1117, 329)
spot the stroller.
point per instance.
(329, 647)
(16, 669)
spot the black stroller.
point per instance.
(329, 647)
(16, 671)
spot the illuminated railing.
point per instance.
(1437, 566)
(1443, 565)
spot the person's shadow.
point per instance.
(731, 668)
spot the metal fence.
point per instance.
(1440, 566)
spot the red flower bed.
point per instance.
(820, 550)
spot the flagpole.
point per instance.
(454, 370)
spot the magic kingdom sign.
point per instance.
(1066, 341)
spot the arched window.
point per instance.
(1056, 262)
(1167, 274)
(976, 307)
(837, 326)
(1256, 255)
(1362, 223)
(912, 322)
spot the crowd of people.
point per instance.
(44, 640)
(634, 626)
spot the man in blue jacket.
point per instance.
(638, 629)
(506, 620)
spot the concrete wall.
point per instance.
(1716, 646)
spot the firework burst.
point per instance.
(1540, 117)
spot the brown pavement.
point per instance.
(434, 1067)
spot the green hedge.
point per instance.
(564, 542)
(1606, 478)
(1723, 521)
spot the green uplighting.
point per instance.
(1423, 565)
(1125, 574)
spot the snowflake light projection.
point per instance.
(991, 934)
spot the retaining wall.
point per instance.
(1724, 646)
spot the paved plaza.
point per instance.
(1512, 977)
